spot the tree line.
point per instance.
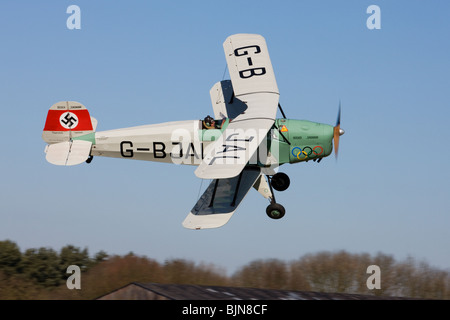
(42, 273)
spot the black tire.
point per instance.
(275, 211)
(280, 181)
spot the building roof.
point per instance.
(156, 291)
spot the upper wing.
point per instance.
(249, 64)
(254, 85)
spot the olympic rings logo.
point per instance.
(307, 152)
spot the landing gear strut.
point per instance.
(280, 182)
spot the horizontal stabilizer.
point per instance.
(68, 153)
(222, 197)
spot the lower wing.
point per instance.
(220, 200)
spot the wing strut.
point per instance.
(214, 193)
(233, 203)
(281, 133)
(281, 109)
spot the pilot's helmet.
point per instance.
(208, 120)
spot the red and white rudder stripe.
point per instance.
(67, 120)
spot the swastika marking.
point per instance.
(68, 120)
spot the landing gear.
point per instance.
(280, 182)
(275, 211)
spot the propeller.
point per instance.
(337, 132)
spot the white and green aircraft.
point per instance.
(239, 148)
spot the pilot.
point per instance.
(209, 123)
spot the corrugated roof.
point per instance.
(201, 292)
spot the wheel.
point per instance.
(275, 211)
(280, 181)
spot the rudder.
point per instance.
(67, 120)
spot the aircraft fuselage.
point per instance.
(184, 142)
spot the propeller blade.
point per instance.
(337, 132)
(336, 136)
(338, 121)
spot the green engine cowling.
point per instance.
(308, 140)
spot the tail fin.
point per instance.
(65, 121)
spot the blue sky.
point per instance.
(145, 62)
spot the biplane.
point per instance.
(241, 146)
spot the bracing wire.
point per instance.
(200, 189)
(224, 71)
